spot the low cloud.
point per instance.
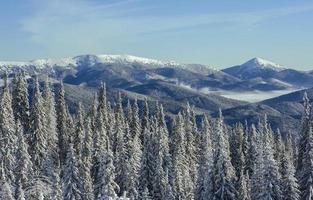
(250, 96)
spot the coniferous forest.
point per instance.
(109, 151)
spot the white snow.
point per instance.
(103, 58)
(39, 63)
(133, 59)
(63, 62)
(262, 63)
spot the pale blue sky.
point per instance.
(219, 33)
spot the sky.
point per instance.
(218, 33)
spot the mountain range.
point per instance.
(243, 92)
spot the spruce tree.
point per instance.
(182, 186)
(106, 187)
(236, 148)
(290, 187)
(103, 107)
(72, 185)
(145, 195)
(204, 184)
(191, 149)
(159, 181)
(144, 119)
(147, 163)
(129, 112)
(86, 163)
(304, 132)
(135, 156)
(102, 100)
(62, 119)
(8, 139)
(251, 155)
(92, 114)
(38, 137)
(306, 174)
(257, 186)
(244, 190)
(119, 147)
(37, 188)
(57, 188)
(271, 173)
(164, 139)
(19, 194)
(6, 190)
(223, 171)
(50, 124)
(265, 183)
(100, 139)
(278, 149)
(245, 143)
(23, 169)
(79, 131)
(135, 125)
(20, 101)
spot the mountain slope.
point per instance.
(174, 84)
(256, 67)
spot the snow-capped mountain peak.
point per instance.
(104, 58)
(90, 60)
(262, 63)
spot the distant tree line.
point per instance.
(116, 153)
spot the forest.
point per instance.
(111, 151)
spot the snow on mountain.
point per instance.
(133, 59)
(72, 62)
(256, 67)
(262, 63)
(39, 63)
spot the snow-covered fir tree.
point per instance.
(106, 187)
(119, 147)
(182, 183)
(20, 101)
(86, 163)
(6, 189)
(145, 119)
(251, 154)
(265, 182)
(115, 153)
(146, 168)
(223, 172)
(305, 126)
(72, 184)
(79, 131)
(50, 124)
(19, 193)
(204, 184)
(306, 173)
(290, 187)
(24, 167)
(135, 157)
(191, 148)
(38, 134)
(8, 139)
(243, 186)
(236, 148)
(62, 124)
(100, 139)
